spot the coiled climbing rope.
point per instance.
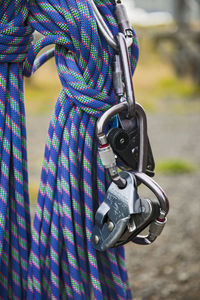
(62, 262)
(15, 38)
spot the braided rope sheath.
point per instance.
(63, 263)
(15, 38)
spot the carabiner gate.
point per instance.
(126, 74)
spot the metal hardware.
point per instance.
(107, 156)
(117, 77)
(121, 43)
(110, 226)
(157, 190)
(127, 153)
(138, 222)
(96, 239)
(158, 224)
(117, 220)
(123, 24)
(100, 132)
(114, 213)
(123, 215)
(122, 20)
(127, 75)
(106, 151)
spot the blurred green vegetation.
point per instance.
(172, 86)
(157, 87)
(175, 166)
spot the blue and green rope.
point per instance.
(15, 235)
(62, 264)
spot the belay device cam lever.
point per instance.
(123, 215)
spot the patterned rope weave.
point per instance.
(15, 38)
(63, 263)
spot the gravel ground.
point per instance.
(169, 268)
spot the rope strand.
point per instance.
(62, 262)
(15, 38)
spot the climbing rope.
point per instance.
(62, 264)
(15, 38)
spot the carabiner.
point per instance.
(122, 20)
(127, 76)
(105, 150)
(156, 227)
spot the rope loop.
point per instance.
(15, 34)
(82, 56)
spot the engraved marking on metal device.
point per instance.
(117, 203)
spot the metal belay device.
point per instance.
(123, 215)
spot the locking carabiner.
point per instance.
(123, 214)
(105, 150)
(156, 227)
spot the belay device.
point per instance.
(123, 215)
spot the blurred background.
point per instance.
(167, 84)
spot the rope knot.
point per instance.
(15, 34)
(91, 92)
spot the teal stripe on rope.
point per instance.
(63, 263)
(15, 38)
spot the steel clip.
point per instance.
(105, 150)
(127, 226)
(156, 226)
(122, 76)
(122, 20)
(123, 215)
(120, 43)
